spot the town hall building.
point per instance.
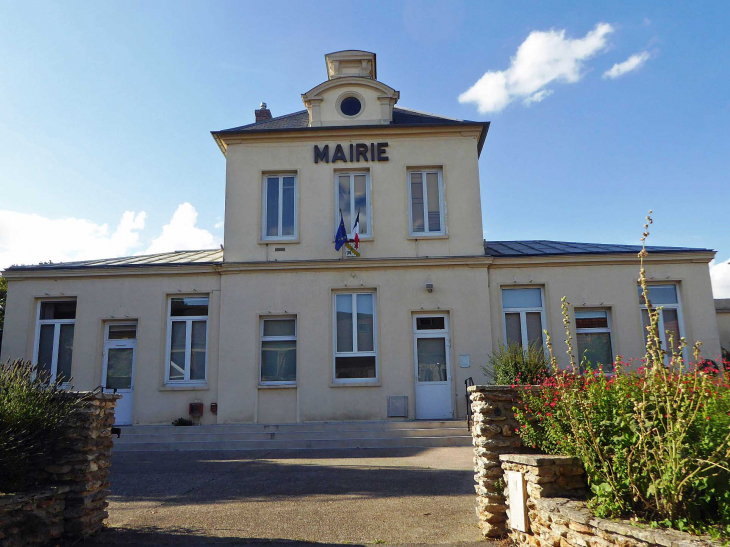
(279, 326)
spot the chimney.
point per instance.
(263, 113)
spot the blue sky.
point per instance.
(106, 108)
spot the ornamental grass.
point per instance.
(33, 414)
(654, 440)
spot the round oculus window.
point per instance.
(350, 106)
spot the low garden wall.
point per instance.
(70, 495)
(493, 434)
(546, 508)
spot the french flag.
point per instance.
(356, 231)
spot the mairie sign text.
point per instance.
(375, 151)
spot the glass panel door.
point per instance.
(119, 368)
(431, 359)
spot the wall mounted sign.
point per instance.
(358, 152)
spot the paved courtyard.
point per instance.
(393, 496)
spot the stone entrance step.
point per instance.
(311, 435)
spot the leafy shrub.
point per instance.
(655, 442)
(33, 413)
(182, 422)
(511, 364)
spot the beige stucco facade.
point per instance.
(722, 307)
(298, 276)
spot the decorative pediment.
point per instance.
(350, 100)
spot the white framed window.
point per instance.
(593, 337)
(426, 202)
(53, 350)
(524, 316)
(352, 195)
(187, 339)
(278, 351)
(355, 337)
(279, 216)
(665, 296)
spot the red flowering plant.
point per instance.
(655, 441)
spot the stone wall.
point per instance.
(553, 492)
(32, 519)
(493, 433)
(69, 499)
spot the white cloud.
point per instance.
(634, 62)
(218, 225)
(537, 97)
(720, 274)
(28, 238)
(543, 58)
(182, 234)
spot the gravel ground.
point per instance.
(363, 496)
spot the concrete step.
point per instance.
(310, 435)
(292, 435)
(308, 426)
(289, 444)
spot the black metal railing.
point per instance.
(468, 382)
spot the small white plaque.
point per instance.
(517, 501)
(464, 361)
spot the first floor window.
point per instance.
(278, 351)
(355, 340)
(187, 339)
(55, 338)
(665, 297)
(426, 193)
(523, 316)
(593, 334)
(353, 197)
(279, 207)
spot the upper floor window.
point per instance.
(593, 335)
(426, 197)
(279, 218)
(353, 197)
(665, 296)
(55, 338)
(187, 339)
(523, 316)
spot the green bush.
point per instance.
(33, 413)
(655, 442)
(182, 422)
(511, 364)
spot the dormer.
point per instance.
(351, 95)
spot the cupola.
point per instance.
(351, 95)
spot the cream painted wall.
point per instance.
(723, 324)
(238, 300)
(101, 299)
(368, 95)
(613, 287)
(246, 164)
(308, 296)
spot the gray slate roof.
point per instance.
(496, 249)
(175, 258)
(545, 248)
(300, 120)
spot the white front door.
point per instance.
(431, 351)
(120, 348)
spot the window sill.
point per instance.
(355, 384)
(184, 387)
(428, 236)
(277, 386)
(279, 241)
